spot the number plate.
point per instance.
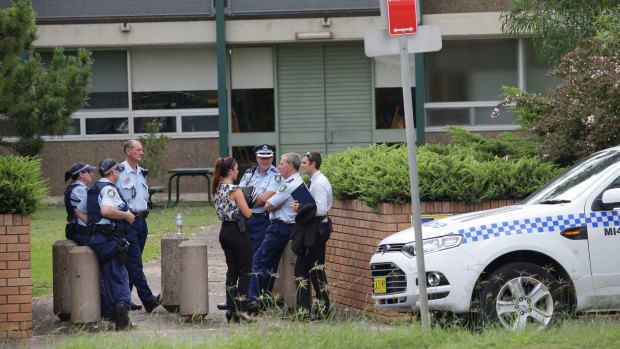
(380, 285)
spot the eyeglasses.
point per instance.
(309, 156)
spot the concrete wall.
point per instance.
(58, 156)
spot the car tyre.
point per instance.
(521, 294)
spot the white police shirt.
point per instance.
(271, 180)
(109, 196)
(321, 191)
(78, 199)
(283, 200)
(133, 187)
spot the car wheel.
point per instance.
(521, 294)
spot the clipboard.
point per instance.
(302, 194)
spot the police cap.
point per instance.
(107, 165)
(264, 150)
(80, 167)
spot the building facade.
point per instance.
(292, 73)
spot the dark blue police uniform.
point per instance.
(267, 257)
(107, 242)
(133, 187)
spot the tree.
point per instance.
(557, 26)
(36, 99)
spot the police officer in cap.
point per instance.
(81, 175)
(110, 217)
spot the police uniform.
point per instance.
(133, 186)
(114, 283)
(271, 180)
(75, 195)
(267, 257)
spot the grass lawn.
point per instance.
(354, 334)
(48, 226)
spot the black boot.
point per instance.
(122, 317)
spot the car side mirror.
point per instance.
(611, 198)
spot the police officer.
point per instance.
(266, 180)
(278, 233)
(133, 186)
(109, 217)
(81, 175)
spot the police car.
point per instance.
(555, 253)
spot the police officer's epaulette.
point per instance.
(273, 169)
(251, 169)
(289, 180)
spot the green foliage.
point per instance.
(507, 145)
(581, 115)
(380, 173)
(154, 149)
(557, 26)
(36, 99)
(22, 186)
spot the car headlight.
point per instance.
(434, 244)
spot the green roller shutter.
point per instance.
(324, 97)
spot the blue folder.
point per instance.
(302, 194)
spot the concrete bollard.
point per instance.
(194, 303)
(60, 276)
(171, 271)
(84, 283)
(284, 286)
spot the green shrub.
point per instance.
(380, 173)
(22, 186)
(154, 145)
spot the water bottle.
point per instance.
(179, 223)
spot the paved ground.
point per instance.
(47, 328)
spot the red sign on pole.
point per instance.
(402, 17)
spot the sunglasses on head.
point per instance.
(309, 156)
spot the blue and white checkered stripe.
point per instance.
(547, 224)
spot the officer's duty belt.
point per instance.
(141, 214)
(278, 221)
(108, 230)
(80, 230)
(260, 215)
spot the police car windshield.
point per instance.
(574, 181)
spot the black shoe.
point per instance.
(253, 308)
(238, 317)
(122, 317)
(222, 306)
(150, 307)
(135, 306)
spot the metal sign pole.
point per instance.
(413, 179)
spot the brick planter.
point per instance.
(15, 277)
(358, 229)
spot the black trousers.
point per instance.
(310, 269)
(237, 248)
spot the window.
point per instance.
(464, 82)
(109, 81)
(252, 95)
(389, 106)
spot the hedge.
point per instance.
(22, 186)
(380, 174)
